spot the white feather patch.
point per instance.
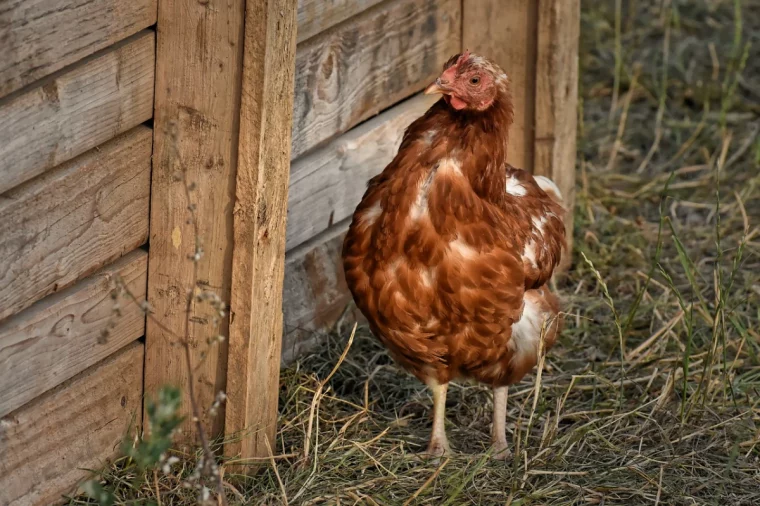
(538, 224)
(419, 207)
(449, 166)
(463, 249)
(429, 135)
(371, 214)
(529, 252)
(548, 186)
(426, 277)
(514, 187)
(526, 332)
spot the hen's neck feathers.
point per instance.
(477, 140)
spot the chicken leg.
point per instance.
(439, 443)
(499, 427)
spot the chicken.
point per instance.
(449, 252)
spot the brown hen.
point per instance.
(450, 249)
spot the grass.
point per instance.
(651, 394)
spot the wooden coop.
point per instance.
(279, 111)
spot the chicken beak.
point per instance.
(434, 89)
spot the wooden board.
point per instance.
(557, 99)
(327, 184)
(69, 113)
(253, 370)
(69, 222)
(198, 75)
(316, 16)
(505, 31)
(48, 444)
(314, 294)
(355, 71)
(42, 36)
(58, 337)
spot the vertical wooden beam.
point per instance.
(505, 32)
(255, 339)
(198, 71)
(557, 97)
(536, 42)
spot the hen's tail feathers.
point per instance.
(548, 186)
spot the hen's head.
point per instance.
(469, 82)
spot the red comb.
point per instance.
(463, 57)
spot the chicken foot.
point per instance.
(439, 443)
(499, 427)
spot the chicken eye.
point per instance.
(474, 80)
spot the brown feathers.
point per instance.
(449, 248)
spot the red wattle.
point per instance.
(457, 103)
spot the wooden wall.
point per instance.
(359, 69)
(76, 93)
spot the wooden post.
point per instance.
(536, 42)
(505, 32)
(255, 338)
(557, 98)
(199, 58)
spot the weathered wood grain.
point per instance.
(198, 84)
(261, 199)
(505, 32)
(69, 222)
(327, 184)
(557, 99)
(58, 337)
(48, 445)
(69, 113)
(39, 37)
(316, 16)
(386, 53)
(314, 294)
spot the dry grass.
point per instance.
(651, 395)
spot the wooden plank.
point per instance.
(557, 99)
(69, 222)
(59, 336)
(48, 445)
(198, 74)
(76, 110)
(327, 184)
(314, 294)
(259, 232)
(505, 32)
(42, 36)
(316, 16)
(383, 55)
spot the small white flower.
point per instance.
(167, 467)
